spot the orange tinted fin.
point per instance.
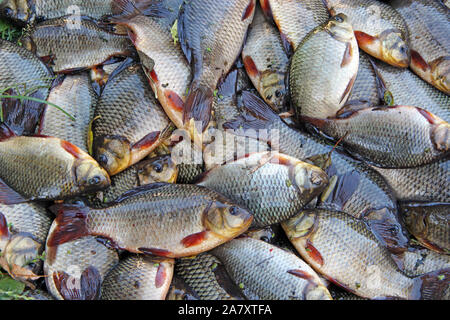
(364, 39)
(348, 55)
(72, 149)
(194, 239)
(314, 253)
(148, 141)
(88, 288)
(348, 88)
(301, 274)
(174, 101)
(427, 115)
(4, 230)
(154, 76)
(71, 223)
(318, 123)
(8, 196)
(250, 67)
(418, 61)
(265, 5)
(161, 276)
(155, 252)
(248, 10)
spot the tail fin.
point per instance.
(85, 288)
(198, 105)
(131, 8)
(5, 132)
(71, 223)
(432, 286)
(228, 87)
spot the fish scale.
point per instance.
(365, 87)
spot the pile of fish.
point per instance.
(222, 150)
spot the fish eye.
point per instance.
(95, 180)
(234, 211)
(158, 168)
(402, 49)
(278, 93)
(265, 238)
(338, 19)
(7, 12)
(103, 160)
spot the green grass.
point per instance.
(9, 32)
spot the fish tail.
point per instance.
(228, 87)
(198, 105)
(127, 9)
(71, 222)
(88, 288)
(431, 286)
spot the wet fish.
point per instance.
(208, 277)
(285, 14)
(24, 74)
(344, 250)
(409, 90)
(354, 188)
(45, 168)
(69, 46)
(266, 62)
(125, 135)
(381, 31)
(100, 74)
(38, 295)
(163, 61)
(392, 137)
(158, 169)
(330, 48)
(138, 278)
(425, 183)
(23, 231)
(167, 220)
(180, 290)
(211, 47)
(77, 97)
(429, 223)
(419, 260)
(269, 273)
(273, 186)
(428, 25)
(77, 268)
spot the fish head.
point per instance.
(112, 153)
(340, 27)
(23, 251)
(274, 88)
(227, 220)
(309, 178)
(301, 225)
(415, 220)
(394, 48)
(158, 169)
(16, 10)
(90, 177)
(440, 73)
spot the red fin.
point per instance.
(198, 105)
(85, 288)
(72, 149)
(9, 196)
(155, 252)
(5, 132)
(265, 5)
(418, 61)
(154, 76)
(348, 88)
(71, 223)
(348, 55)
(301, 274)
(318, 123)
(431, 286)
(364, 39)
(175, 102)
(4, 230)
(250, 67)
(430, 245)
(194, 239)
(249, 10)
(48, 60)
(427, 115)
(148, 141)
(161, 276)
(314, 253)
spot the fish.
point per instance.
(428, 183)
(207, 276)
(211, 47)
(429, 223)
(45, 168)
(266, 272)
(69, 46)
(380, 30)
(180, 290)
(354, 187)
(419, 260)
(330, 48)
(125, 135)
(37, 295)
(391, 137)
(266, 62)
(285, 15)
(22, 73)
(23, 231)
(168, 220)
(158, 169)
(273, 186)
(99, 75)
(76, 270)
(409, 90)
(428, 25)
(340, 294)
(163, 62)
(138, 278)
(345, 251)
(76, 96)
